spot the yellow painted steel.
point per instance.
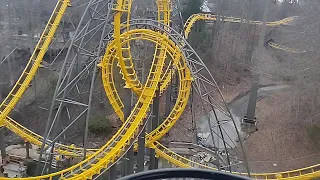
(162, 151)
(172, 157)
(119, 50)
(211, 17)
(34, 62)
(127, 133)
(36, 139)
(183, 74)
(122, 19)
(25, 79)
(185, 83)
(132, 81)
(164, 11)
(180, 161)
(284, 48)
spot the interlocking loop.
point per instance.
(167, 52)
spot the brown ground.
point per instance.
(282, 141)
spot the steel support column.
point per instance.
(123, 166)
(2, 145)
(60, 78)
(130, 164)
(113, 172)
(105, 175)
(141, 150)
(168, 101)
(249, 121)
(128, 161)
(168, 108)
(66, 81)
(263, 30)
(92, 84)
(155, 123)
(28, 150)
(251, 110)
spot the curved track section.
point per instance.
(211, 17)
(284, 48)
(181, 67)
(116, 147)
(25, 79)
(169, 44)
(123, 11)
(181, 161)
(35, 60)
(184, 85)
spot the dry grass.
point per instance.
(282, 142)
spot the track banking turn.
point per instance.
(167, 52)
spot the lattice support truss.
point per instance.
(74, 90)
(203, 82)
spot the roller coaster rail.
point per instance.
(284, 48)
(169, 43)
(211, 18)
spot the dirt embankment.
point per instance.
(283, 140)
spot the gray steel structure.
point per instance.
(79, 66)
(78, 74)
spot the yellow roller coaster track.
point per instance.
(163, 16)
(29, 72)
(34, 62)
(284, 48)
(107, 70)
(184, 85)
(210, 17)
(117, 145)
(25, 79)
